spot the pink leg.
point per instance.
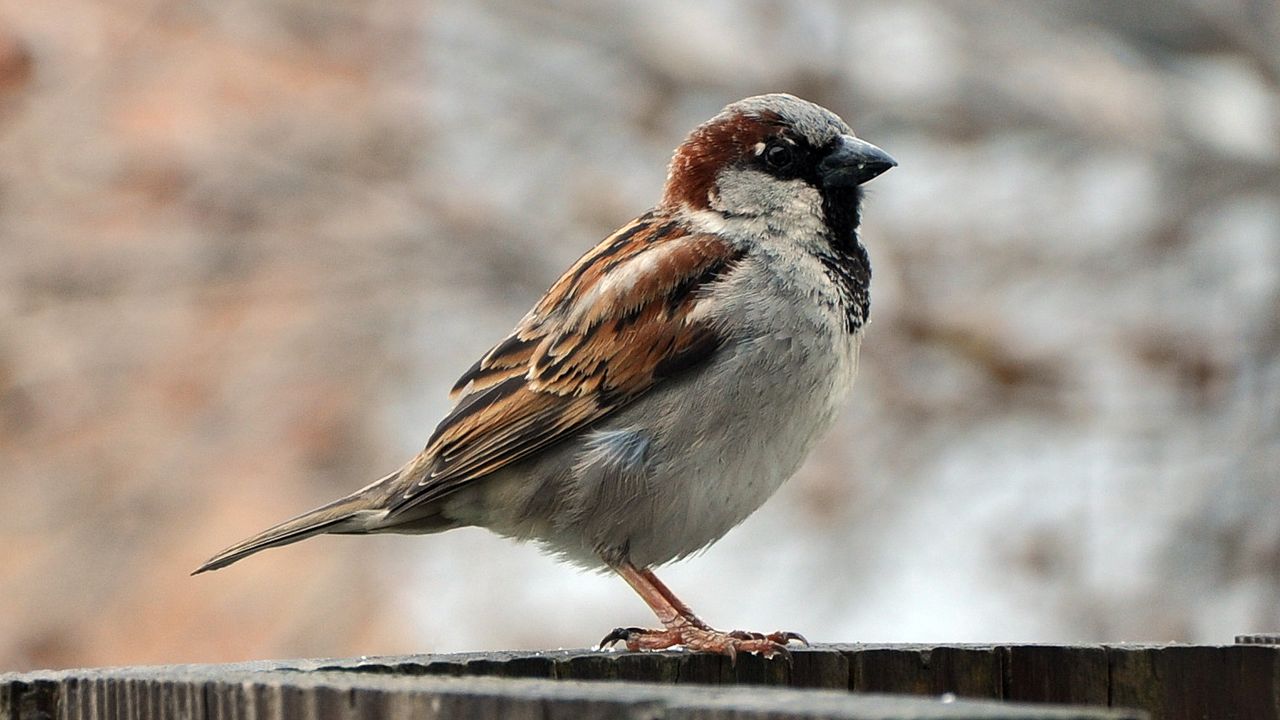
(682, 627)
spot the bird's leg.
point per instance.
(682, 627)
(675, 602)
(780, 637)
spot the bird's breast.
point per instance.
(724, 438)
(693, 457)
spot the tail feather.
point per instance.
(334, 517)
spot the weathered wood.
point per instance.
(821, 668)
(964, 671)
(1174, 682)
(1193, 682)
(234, 693)
(1074, 675)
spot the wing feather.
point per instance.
(615, 324)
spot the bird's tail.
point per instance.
(345, 515)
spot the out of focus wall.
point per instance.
(245, 248)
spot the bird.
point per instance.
(667, 383)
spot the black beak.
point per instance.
(852, 162)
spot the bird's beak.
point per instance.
(852, 162)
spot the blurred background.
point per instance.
(246, 246)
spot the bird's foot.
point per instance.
(701, 638)
(780, 637)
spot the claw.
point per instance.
(780, 637)
(785, 637)
(619, 634)
(779, 650)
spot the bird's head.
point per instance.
(775, 158)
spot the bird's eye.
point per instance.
(778, 156)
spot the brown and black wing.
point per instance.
(618, 322)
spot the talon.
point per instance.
(784, 638)
(780, 650)
(618, 634)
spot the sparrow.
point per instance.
(668, 383)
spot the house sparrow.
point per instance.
(668, 382)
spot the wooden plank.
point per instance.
(34, 698)
(964, 671)
(1173, 682)
(219, 693)
(825, 668)
(1191, 682)
(1072, 675)
(817, 667)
